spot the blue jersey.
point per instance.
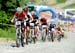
(51, 26)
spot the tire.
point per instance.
(20, 38)
(34, 39)
(44, 35)
(17, 37)
(28, 38)
(49, 38)
(22, 41)
(52, 36)
(17, 43)
(26, 41)
(59, 37)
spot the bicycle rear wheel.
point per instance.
(19, 37)
(44, 34)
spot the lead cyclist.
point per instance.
(19, 15)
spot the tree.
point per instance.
(11, 6)
(8, 5)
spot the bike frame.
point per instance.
(44, 28)
(19, 35)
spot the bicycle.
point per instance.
(32, 32)
(44, 30)
(51, 34)
(19, 33)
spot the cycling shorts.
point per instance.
(27, 23)
(44, 23)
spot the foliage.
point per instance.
(11, 5)
(61, 1)
(69, 6)
(10, 33)
(8, 5)
(7, 8)
(4, 17)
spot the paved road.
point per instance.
(66, 45)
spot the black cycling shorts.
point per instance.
(44, 23)
(27, 24)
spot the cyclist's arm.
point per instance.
(26, 18)
(39, 20)
(15, 16)
(13, 19)
(30, 17)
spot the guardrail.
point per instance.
(11, 25)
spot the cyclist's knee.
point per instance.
(28, 28)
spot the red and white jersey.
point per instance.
(20, 16)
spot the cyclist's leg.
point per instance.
(28, 28)
(23, 29)
(35, 30)
(27, 34)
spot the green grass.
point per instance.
(9, 34)
(61, 1)
(69, 6)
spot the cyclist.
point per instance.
(43, 21)
(52, 25)
(27, 23)
(35, 21)
(52, 30)
(20, 15)
(59, 33)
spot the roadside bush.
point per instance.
(61, 1)
(4, 17)
(69, 6)
(8, 34)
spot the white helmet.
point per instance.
(33, 13)
(19, 9)
(53, 29)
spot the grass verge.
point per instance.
(9, 33)
(69, 6)
(61, 1)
